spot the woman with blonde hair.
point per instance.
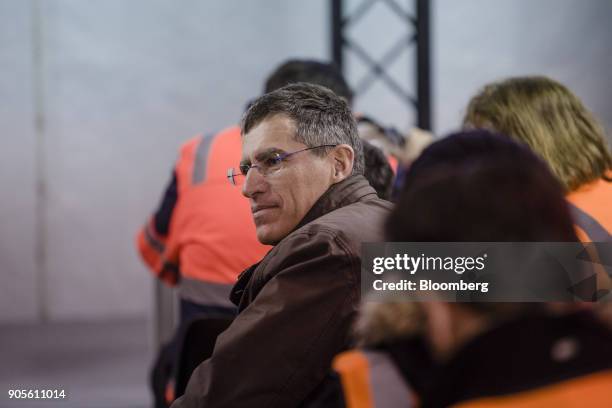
(554, 123)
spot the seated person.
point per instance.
(301, 170)
(189, 242)
(554, 123)
(476, 187)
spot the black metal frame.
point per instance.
(421, 37)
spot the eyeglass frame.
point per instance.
(279, 158)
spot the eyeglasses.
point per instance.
(267, 165)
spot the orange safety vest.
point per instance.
(592, 390)
(211, 237)
(591, 206)
(370, 379)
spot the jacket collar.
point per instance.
(346, 192)
(241, 284)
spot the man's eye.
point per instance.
(272, 161)
(244, 169)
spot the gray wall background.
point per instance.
(97, 96)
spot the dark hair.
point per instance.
(312, 72)
(320, 117)
(479, 186)
(377, 170)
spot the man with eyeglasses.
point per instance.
(302, 172)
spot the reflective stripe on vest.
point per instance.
(595, 231)
(153, 242)
(590, 207)
(370, 379)
(152, 249)
(201, 159)
(212, 234)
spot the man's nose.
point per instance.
(254, 183)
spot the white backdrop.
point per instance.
(119, 84)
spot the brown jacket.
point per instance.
(296, 307)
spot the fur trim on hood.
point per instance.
(383, 322)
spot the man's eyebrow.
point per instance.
(260, 156)
(263, 155)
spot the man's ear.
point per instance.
(343, 158)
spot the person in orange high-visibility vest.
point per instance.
(199, 240)
(554, 123)
(202, 235)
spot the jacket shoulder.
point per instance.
(309, 241)
(333, 237)
(362, 221)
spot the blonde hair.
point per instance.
(545, 115)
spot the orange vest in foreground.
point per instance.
(592, 390)
(371, 380)
(211, 237)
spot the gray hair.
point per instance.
(320, 116)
